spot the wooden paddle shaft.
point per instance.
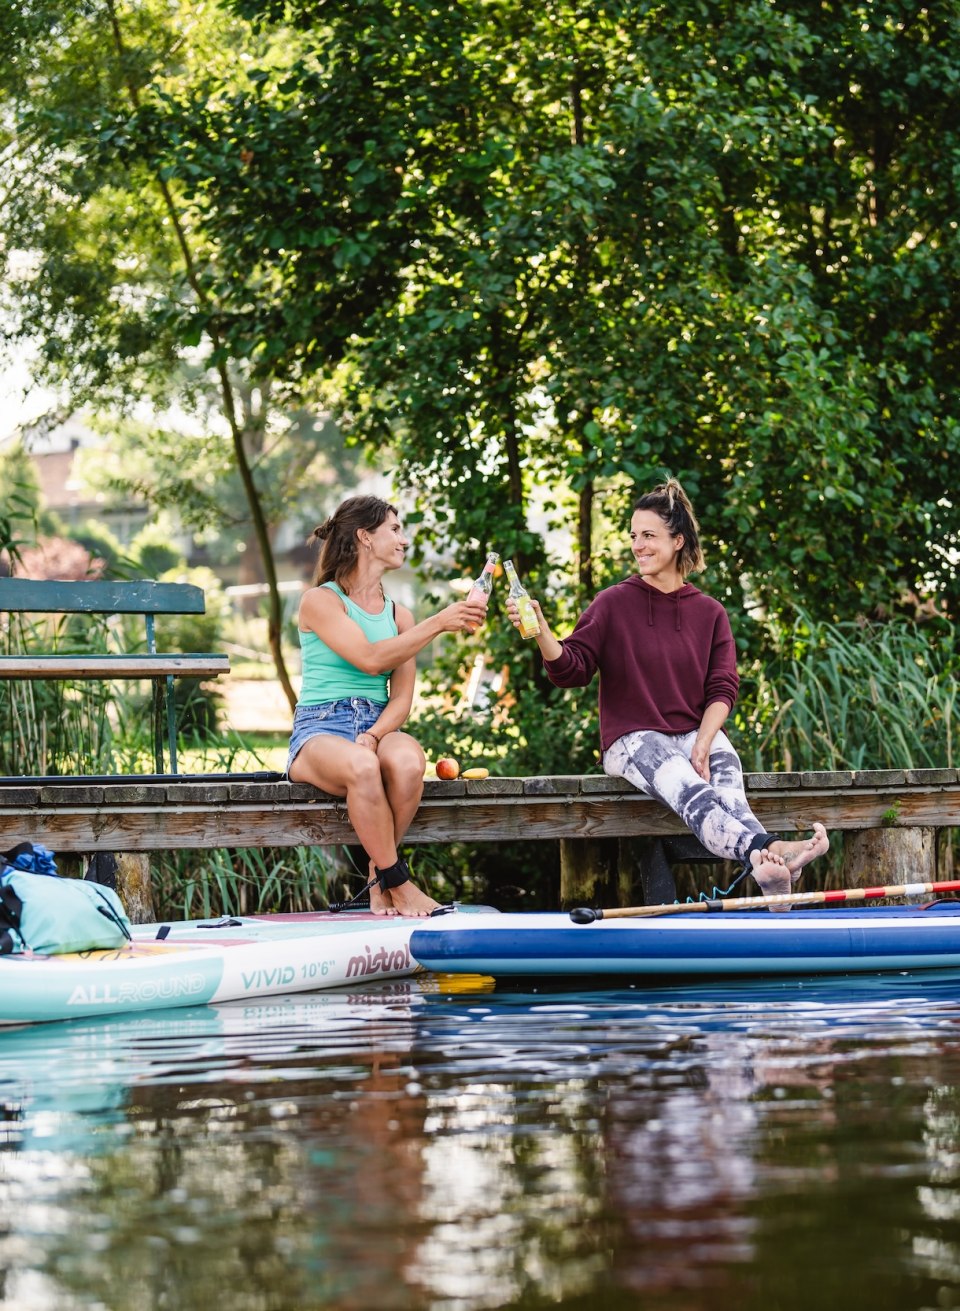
(835, 897)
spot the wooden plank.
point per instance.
(447, 788)
(552, 785)
(492, 787)
(876, 778)
(73, 819)
(930, 777)
(105, 667)
(72, 797)
(139, 597)
(591, 783)
(823, 778)
(759, 782)
(18, 798)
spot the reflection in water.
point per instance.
(785, 1145)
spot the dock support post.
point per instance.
(128, 873)
(592, 873)
(877, 856)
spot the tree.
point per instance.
(546, 253)
(612, 238)
(106, 269)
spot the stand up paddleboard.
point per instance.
(738, 943)
(191, 962)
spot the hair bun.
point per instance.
(322, 531)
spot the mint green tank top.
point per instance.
(327, 676)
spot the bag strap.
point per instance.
(108, 912)
(11, 907)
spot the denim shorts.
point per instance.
(347, 719)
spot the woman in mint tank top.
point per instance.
(359, 667)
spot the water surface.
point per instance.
(776, 1145)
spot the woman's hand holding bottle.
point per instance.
(513, 614)
(550, 648)
(462, 616)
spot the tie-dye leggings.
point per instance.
(716, 812)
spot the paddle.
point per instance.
(583, 915)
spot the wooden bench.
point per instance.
(883, 816)
(149, 599)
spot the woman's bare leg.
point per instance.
(345, 769)
(401, 767)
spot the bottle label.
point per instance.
(529, 623)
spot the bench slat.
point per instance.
(112, 666)
(49, 596)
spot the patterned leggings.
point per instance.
(716, 812)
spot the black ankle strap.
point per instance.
(393, 875)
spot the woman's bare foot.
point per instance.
(771, 872)
(409, 900)
(381, 903)
(798, 854)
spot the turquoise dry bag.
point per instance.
(41, 912)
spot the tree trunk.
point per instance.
(230, 407)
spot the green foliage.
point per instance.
(102, 544)
(243, 881)
(154, 553)
(853, 696)
(696, 236)
(536, 256)
(21, 508)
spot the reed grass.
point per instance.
(245, 881)
(853, 696)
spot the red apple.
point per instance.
(447, 767)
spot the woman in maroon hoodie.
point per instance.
(668, 679)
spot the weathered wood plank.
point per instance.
(125, 817)
(60, 667)
(761, 782)
(604, 783)
(931, 777)
(889, 855)
(494, 786)
(826, 779)
(876, 778)
(552, 785)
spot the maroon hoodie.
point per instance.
(663, 657)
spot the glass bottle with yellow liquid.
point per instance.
(529, 623)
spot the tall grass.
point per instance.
(53, 727)
(854, 696)
(246, 881)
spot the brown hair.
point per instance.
(672, 504)
(339, 550)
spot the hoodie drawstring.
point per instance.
(676, 607)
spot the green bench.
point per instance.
(149, 599)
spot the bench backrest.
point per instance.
(104, 598)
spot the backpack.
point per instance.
(43, 913)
